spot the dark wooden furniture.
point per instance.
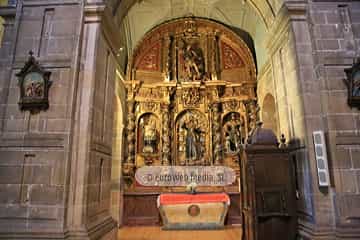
(141, 209)
(234, 216)
(271, 210)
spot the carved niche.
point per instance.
(191, 144)
(148, 134)
(233, 133)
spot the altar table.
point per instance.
(193, 211)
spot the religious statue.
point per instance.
(193, 62)
(149, 137)
(253, 113)
(192, 140)
(233, 136)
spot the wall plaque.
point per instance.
(34, 86)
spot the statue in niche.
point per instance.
(233, 138)
(193, 62)
(150, 136)
(193, 150)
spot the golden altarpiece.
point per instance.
(190, 99)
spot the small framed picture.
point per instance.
(34, 84)
(353, 84)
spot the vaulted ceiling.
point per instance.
(136, 17)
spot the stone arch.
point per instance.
(266, 9)
(254, 16)
(267, 16)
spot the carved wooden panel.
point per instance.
(150, 61)
(275, 195)
(230, 57)
(141, 209)
(234, 213)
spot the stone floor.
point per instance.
(155, 233)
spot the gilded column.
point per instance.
(130, 160)
(213, 55)
(132, 87)
(167, 58)
(253, 116)
(216, 129)
(165, 134)
(174, 56)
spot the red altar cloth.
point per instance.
(167, 199)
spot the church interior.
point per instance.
(99, 96)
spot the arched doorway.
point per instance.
(191, 82)
(144, 68)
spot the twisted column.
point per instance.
(130, 160)
(165, 135)
(253, 116)
(167, 58)
(216, 129)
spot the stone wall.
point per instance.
(305, 77)
(1, 29)
(118, 154)
(280, 79)
(335, 33)
(55, 166)
(34, 148)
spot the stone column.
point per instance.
(216, 133)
